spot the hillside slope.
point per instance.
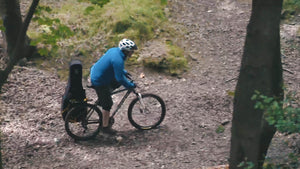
(197, 103)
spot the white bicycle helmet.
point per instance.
(127, 45)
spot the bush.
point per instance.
(284, 115)
(50, 31)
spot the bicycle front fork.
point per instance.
(142, 108)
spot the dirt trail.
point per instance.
(197, 104)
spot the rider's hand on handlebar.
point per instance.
(134, 85)
(128, 74)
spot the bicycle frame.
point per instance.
(138, 95)
(129, 91)
(122, 101)
(85, 132)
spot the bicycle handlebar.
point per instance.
(128, 75)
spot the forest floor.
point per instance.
(198, 103)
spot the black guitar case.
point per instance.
(74, 92)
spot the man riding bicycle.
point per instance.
(107, 74)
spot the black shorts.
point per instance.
(104, 95)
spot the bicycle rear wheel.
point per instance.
(146, 113)
(83, 122)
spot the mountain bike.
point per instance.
(145, 112)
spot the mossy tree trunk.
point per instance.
(261, 70)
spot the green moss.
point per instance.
(177, 63)
(175, 51)
(174, 63)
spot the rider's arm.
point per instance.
(119, 71)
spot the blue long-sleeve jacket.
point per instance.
(108, 67)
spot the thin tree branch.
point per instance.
(288, 71)
(18, 49)
(22, 34)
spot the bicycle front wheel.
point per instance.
(83, 122)
(147, 112)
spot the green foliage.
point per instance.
(290, 8)
(246, 165)
(292, 162)
(284, 115)
(51, 30)
(2, 28)
(220, 129)
(291, 5)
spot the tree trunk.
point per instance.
(15, 31)
(12, 21)
(260, 70)
(2, 8)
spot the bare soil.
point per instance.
(198, 103)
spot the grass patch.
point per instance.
(98, 25)
(133, 19)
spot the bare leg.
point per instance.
(105, 120)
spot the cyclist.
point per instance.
(107, 74)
